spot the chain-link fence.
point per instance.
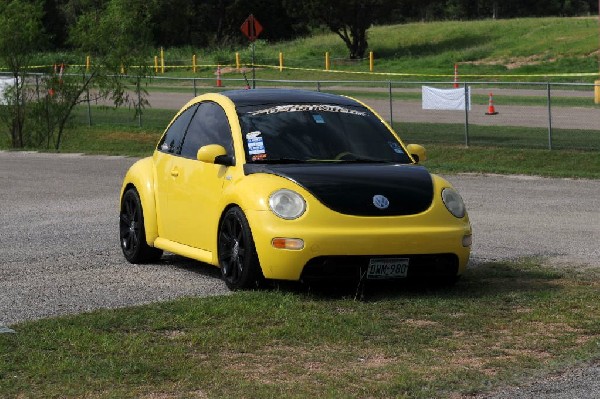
(526, 115)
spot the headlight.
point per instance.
(287, 204)
(453, 202)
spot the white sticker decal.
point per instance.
(252, 135)
(256, 146)
(307, 107)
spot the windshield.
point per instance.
(317, 132)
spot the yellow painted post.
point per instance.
(327, 65)
(237, 61)
(88, 63)
(162, 60)
(194, 63)
(371, 61)
(156, 64)
(280, 61)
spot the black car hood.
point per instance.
(355, 189)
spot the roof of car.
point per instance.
(243, 98)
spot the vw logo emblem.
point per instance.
(380, 202)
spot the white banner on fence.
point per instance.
(5, 83)
(445, 99)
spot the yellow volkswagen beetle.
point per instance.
(291, 185)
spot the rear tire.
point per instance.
(238, 260)
(132, 231)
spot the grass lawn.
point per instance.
(502, 323)
(507, 150)
(505, 49)
(525, 49)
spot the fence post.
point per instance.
(371, 61)
(467, 114)
(327, 63)
(139, 95)
(391, 108)
(280, 61)
(87, 95)
(549, 117)
(89, 107)
(195, 92)
(37, 86)
(237, 61)
(162, 60)
(194, 63)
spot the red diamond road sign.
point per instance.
(251, 28)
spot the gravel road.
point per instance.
(59, 246)
(59, 251)
(411, 111)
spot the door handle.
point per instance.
(174, 172)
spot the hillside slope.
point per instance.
(512, 46)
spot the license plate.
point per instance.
(387, 268)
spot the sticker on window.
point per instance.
(259, 157)
(318, 118)
(396, 147)
(307, 108)
(256, 145)
(252, 135)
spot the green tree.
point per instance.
(349, 19)
(118, 39)
(21, 35)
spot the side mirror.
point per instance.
(417, 152)
(214, 153)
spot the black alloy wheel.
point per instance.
(132, 233)
(238, 260)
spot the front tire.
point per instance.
(238, 260)
(132, 232)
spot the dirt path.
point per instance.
(411, 111)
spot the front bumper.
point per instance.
(433, 241)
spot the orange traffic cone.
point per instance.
(219, 82)
(491, 109)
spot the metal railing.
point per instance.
(529, 115)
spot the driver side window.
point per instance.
(208, 126)
(172, 139)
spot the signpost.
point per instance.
(251, 28)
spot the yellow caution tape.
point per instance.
(403, 74)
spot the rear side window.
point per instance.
(172, 140)
(209, 125)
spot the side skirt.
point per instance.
(184, 250)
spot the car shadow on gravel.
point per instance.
(190, 265)
(486, 279)
(480, 280)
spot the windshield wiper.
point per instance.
(279, 160)
(363, 160)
